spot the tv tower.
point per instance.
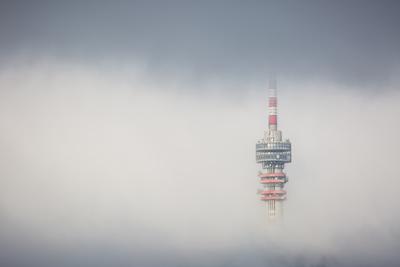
(273, 154)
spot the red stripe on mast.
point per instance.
(272, 120)
(272, 101)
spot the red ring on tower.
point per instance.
(273, 192)
(266, 198)
(272, 181)
(273, 174)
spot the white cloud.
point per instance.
(89, 155)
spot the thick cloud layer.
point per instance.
(115, 169)
(349, 42)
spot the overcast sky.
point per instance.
(350, 42)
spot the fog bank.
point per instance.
(103, 168)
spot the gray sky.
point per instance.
(350, 42)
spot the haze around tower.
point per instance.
(128, 132)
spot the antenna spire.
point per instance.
(272, 105)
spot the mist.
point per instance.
(115, 168)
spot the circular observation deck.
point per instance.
(274, 152)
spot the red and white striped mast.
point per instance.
(272, 106)
(273, 154)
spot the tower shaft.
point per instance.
(273, 153)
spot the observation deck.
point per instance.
(273, 146)
(274, 152)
